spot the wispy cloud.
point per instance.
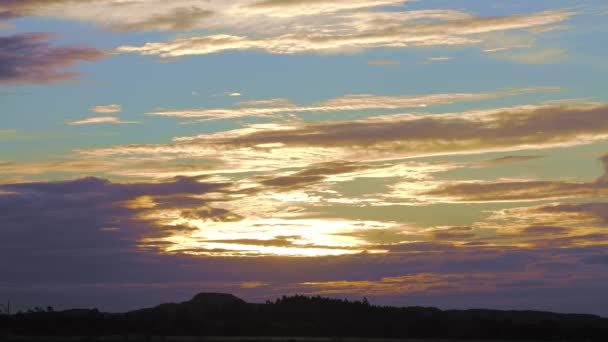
(515, 191)
(238, 15)
(534, 57)
(176, 19)
(276, 146)
(406, 135)
(457, 32)
(227, 93)
(507, 160)
(100, 120)
(274, 108)
(432, 60)
(435, 59)
(106, 109)
(288, 27)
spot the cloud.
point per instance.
(114, 239)
(277, 102)
(507, 160)
(139, 169)
(172, 216)
(597, 211)
(416, 283)
(100, 240)
(432, 60)
(178, 19)
(603, 180)
(286, 27)
(456, 32)
(106, 109)
(314, 174)
(227, 93)
(436, 59)
(275, 108)
(453, 233)
(250, 15)
(29, 58)
(520, 190)
(317, 6)
(100, 120)
(78, 209)
(299, 144)
(581, 218)
(504, 41)
(424, 134)
(116, 191)
(534, 57)
(514, 191)
(543, 230)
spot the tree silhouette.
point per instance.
(316, 316)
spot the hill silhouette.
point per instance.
(217, 314)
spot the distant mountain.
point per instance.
(199, 304)
(218, 314)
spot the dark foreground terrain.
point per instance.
(229, 318)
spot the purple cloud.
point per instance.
(29, 58)
(75, 244)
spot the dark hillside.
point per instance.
(214, 314)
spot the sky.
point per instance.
(447, 153)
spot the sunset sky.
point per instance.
(447, 153)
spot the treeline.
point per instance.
(226, 315)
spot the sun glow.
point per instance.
(269, 237)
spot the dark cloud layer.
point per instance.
(30, 58)
(76, 244)
(70, 216)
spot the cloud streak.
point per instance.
(101, 120)
(408, 135)
(507, 160)
(275, 108)
(457, 32)
(106, 109)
